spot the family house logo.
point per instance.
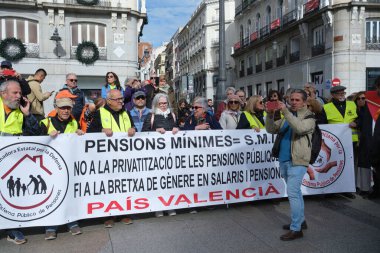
(33, 181)
(329, 164)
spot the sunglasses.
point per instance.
(110, 76)
(233, 102)
(117, 99)
(140, 97)
(197, 107)
(361, 98)
(73, 80)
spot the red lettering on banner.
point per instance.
(213, 196)
(271, 189)
(182, 198)
(246, 194)
(166, 203)
(94, 206)
(141, 203)
(229, 193)
(113, 205)
(196, 200)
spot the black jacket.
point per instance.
(96, 124)
(159, 121)
(79, 101)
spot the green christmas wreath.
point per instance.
(12, 49)
(87, 52)
(88, 2)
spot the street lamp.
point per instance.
(55, 37)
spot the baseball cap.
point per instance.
(138, 93)
(64, 94)
(61, 102)
(6, 64)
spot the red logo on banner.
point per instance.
(275, 24)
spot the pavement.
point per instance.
(335, 224)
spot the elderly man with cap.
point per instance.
(8, 73)
(340, 111)
(139, 110)
(63, 121)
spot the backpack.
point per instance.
(315, 142)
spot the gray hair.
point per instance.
(4, 85)
(202, 101)
(157, 98)
(71, 74)
(230, 88)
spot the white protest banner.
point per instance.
(47, 181)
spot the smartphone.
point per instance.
(23, 102)
(272, 105)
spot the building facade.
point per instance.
(145, 51)
(113, 25)
(196, 50)
(282, 44)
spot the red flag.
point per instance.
(373, 102)
(311, 5)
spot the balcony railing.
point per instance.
(275, 24)
(101, 3)
(372, 44)
(264, 31)
(295, 56)
(238, 9)
(237, 46)
(253, 36)
(310, 6)
(245, 41)
(280, 61)
(289, 17)
(102, 52)
(269, 64)
(245, 4)
(249, 71)
(317, 50)
(259, 68)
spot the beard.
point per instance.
(13, 105)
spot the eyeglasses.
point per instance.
(110, 76)
(361, 98)
(117, 99)
(162, 103)
(73, 80)
(197, 107)
(140, 97)
(233, 102)
(65, 108)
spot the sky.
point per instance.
(165, 17)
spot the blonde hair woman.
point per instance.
(253, 116)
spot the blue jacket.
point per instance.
(106, 88)
(191, 122)
(137, 120)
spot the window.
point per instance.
(241, 33)
(372, 31)
(267, 18)
(88, 32)
(248, 32)
(23, 29)
(319, 36)
(279, 8)
(294, 45)
(241, 72)
(268, 54)
(258, 22)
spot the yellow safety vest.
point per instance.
(109, 122)
(71, 127)
(13, 124)
(253, 120)
(335, 117)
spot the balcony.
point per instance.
(241, 73)
(102, 53)
(245, 4)
(238, 9)
(264, 31)
(275, 24)
(317, 50)
(245, 41)
(295, 56)
(373, 44)
(268, 64)
(249, 71)
(289, 17)
(237, 46)
(259, 68)
(310, 7)
(253, 36)
(280, 61)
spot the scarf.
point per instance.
(165, 113)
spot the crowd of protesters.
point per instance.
(144, 106)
